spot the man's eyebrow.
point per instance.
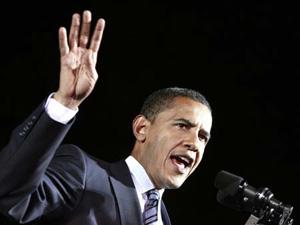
(186, 121)
(191, 124)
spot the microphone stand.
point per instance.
(252, 220)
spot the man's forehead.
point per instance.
(188, 109)
(181, 100)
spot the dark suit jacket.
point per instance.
(44, 182)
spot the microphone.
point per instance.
(234, 192)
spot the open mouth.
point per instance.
(182, 161)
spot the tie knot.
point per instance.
(152, 194)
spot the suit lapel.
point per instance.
(129, 208)
(164, 215)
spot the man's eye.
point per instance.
(203, 138)
(182, 125)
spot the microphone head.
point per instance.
(225, 180)
(229, 186)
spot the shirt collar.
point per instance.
(140, 177)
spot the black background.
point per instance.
(242, 56)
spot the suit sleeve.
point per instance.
(37, 176)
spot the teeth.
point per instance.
(184, 160)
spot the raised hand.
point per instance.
(78, 57)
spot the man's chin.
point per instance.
(174, 184)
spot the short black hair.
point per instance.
(161, 99)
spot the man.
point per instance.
(44, 182)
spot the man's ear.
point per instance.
(139, 127)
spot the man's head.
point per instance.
(171, 133)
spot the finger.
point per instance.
(85, 28)
(97, 35)
(63, 42)
(90, 62)
(74, 30)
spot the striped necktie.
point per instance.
(150, 215)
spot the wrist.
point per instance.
(65, 101)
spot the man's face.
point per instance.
(175, 141)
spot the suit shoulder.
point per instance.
(70, 160)
(70, 150)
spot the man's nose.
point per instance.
(192, 142)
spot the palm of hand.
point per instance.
(78, 73)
